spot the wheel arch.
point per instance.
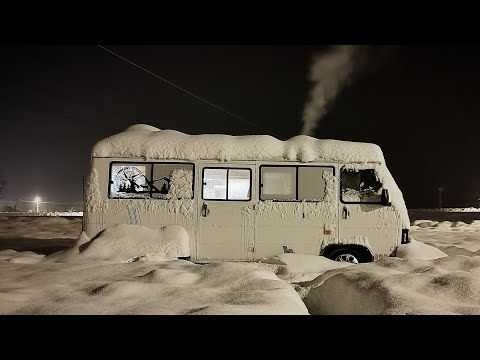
(365, 251)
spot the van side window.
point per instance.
(226, 184)
(311, 184)
(239, 184)
(293, 183)
(360, 186)
(151, 180)
(172, 181)
(130, 180)
(278, 183)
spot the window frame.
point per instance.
(152, 163)
(358, 202)
(226, 190)
(260, 185)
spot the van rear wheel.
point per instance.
(348, 254)
(347, 258)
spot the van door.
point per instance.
(226, 226)
(363, 218)
(297, 211)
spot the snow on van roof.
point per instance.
(149, 142)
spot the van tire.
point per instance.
(353, 254)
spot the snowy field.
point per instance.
(105, 276)
(44, 235)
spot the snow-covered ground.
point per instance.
(135, 270)
(144, 287)
(41, 234)
(40, 227)
(106, 276)
(453, 238)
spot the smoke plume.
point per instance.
(329, 73)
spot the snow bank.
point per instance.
(418, 250)
(127, 242)
(64, 213)
(20, 257)
(152, 143)
(39, 227)
(469, 209)
(445, 224)
(453, 238)
(168, 288)
(300, 263)
(298, 268)
(450, 285)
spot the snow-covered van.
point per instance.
(243, 198)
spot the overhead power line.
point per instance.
(188, 92)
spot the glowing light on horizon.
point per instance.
(38, 200)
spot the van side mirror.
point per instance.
(385, 198)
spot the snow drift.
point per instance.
(126, 242)
(167, 288)
(449, 285)
(20, 257)
(451, 237)
(418, 250)
(40, 227)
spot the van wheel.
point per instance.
(350, 258)
(348, 254)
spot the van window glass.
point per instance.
(278, 183)
(360, 186)
(239, 184)
(130, 180)
(215, 184)
(227, 184)
(172, 181)
(311, 184)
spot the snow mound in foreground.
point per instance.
(165, 288)
(298, 268)
(418, 250)
(129, 243)
(450, 285)
(301, 264)
(20, 257)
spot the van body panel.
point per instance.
(249, 229)
(298, 226)
(372, 224)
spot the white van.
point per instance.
(244, 198)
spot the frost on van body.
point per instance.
(151, 143)
(153, 206)
(93, 196)
(354, 240)
(181, 184)
(132, 195)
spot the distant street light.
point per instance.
(440, 190)
(37, 201)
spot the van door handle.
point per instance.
(205, 210)
(345, 212)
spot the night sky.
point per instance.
(419, 103)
